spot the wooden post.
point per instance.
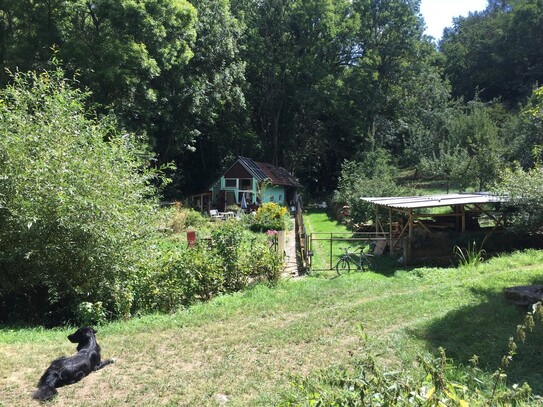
(311, 250)
(390, 228)
(281, 242)
(331, 250)
(409, 245)
(463, 209)
(376, 219)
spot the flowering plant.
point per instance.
(271, 217)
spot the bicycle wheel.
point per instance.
(343, 266)
(367, 262)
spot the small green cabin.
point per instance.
(241, 183)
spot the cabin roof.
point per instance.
(262, 171)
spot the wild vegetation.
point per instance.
(106, 107)
(80, 232)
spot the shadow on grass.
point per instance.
(484, 330)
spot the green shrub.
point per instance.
(180, 219)
(270, 216)
(230, 241)
(262, 264)
(76, 203)
(524, 190)
(174, 275)
(88, 313)
(179, 276)
(370, 176)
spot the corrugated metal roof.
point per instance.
(261, 171)
(432, 201)
(253, 168)
(278, 175)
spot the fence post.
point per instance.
(331, 249)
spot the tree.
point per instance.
(130, 54)
(76, 202)
(371, 175)
(527, 128)
(207, 118)
(330, 79)
(479, 133)
(523, 188)
(291, 48)
(495, 53)
(450, 163)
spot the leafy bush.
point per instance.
(88, 313)
(524, 190)
(181, 219)
(76, 203)
(176, 275)
(271, 216)
(246, 256)
(371, 176)
(229, 242)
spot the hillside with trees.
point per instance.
(308, 85)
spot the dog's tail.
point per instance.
(45, 392)
(46, 387)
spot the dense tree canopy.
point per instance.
(343, 93)
(496, 53)
(302, 84)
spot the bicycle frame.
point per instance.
(362, 260)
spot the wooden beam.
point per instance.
(376, 219)
(400, 235)
(390, 227)
(424, 226)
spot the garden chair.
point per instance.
(215, 215)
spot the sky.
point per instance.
(438, 14)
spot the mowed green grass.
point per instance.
(321, 226)
(246, 348)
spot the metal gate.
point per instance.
(326, 248)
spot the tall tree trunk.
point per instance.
(275, 134)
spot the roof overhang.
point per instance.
(432, 201)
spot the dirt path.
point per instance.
(291, 263)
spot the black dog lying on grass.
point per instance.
(68, 370)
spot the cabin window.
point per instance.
(246, 184)
(280, 199)
(272, 198)
(230, 183)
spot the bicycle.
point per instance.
(358, 258)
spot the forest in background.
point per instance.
(320, 87)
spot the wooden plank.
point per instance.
(379, 247)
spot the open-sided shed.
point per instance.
(465, 210)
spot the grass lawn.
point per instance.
(246, 347)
